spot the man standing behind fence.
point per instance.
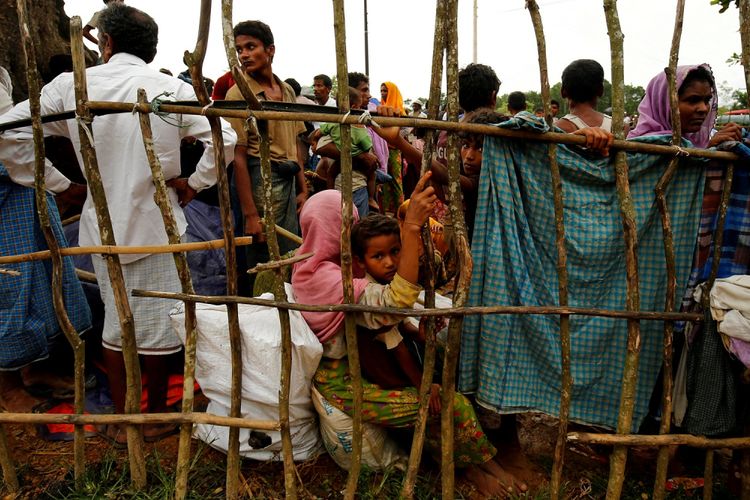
(253, 41)
(128, 43)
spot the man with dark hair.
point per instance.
(582, 86)
(255, 47)
(94, 22)
(128, 39)
(322, 86)
(298, 91)
(361, 82)
(554, 108)
(477, 87)
(516, 102)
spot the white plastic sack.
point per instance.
(378, 450)
(261, 375)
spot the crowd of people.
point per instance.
(392, 202)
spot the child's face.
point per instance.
(382, 257)
(471, 156)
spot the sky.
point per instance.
(401, 34)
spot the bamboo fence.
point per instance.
(444, 48)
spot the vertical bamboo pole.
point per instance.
(347, 276)
(161, 197)
(79, 464)
(745, 40)
(662, 461)
(462, 250)
(195, 61)
(566, 385)
(10, 478)
(415, 454)
(96, 190)
(708, 475)
(627, 211)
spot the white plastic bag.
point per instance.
(378, 450)
(261, 375)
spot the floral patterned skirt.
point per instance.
(400, 408)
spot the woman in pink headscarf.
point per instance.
(696, 92)
(318, 280)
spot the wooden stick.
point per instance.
(9, 470)
(662, 462)
(659, 440)
(452, 311)
(708, 476)
(71, 220)
(161, 197)
(86, 276)
(428, 368)
(280, 263)
(347, 275)
(195, 62)
(58, 300)
(125, 250)
(463, 278)
(566, 384)
(138, 419)
(288, 234)
(630, 369)
(474, 128)
(744, 8)
(107, 235)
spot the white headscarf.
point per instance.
(6, 91)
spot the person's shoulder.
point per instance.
(234, 94)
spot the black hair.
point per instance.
(699, 74)
(554, 101)
(354, 95)
(583, 80)
(255, 29)
(356, 78)
(484, 116)
(295, 86)
(325, 78)
(476, 83)
(370, 227)
(517, 101)
(132, 31)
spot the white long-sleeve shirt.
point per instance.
(120, 152)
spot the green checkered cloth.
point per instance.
(512, 362)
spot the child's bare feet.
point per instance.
(508, 479)
(486, 484)
(513, 460)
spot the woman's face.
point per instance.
(383, 93)
(695, 103)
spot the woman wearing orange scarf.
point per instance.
(393, 191)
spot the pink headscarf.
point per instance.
(317, 280)
(655, 112)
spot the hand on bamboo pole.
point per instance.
(597, 139)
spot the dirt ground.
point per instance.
(45, 470)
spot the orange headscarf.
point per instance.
(394, 98)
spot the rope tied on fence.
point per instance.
(679, 151)
(206, 107)
(84, 124)
(345, 116)
(155, 106)
(366, 119)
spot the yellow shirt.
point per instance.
(282, 135)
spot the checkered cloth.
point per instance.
(512, 362)
(27, 315)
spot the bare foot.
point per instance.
(157, 432)
(17, 400)
(486, 484)
(514, 461)
(115, 434)
(36, 376)
(512, 483)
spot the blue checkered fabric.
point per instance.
(27, 315)
(512, 362)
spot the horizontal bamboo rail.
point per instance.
(658, 440)
(138, 419)
(452, 311)
(125, 250)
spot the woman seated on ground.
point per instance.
(696, 92)
(318, 281)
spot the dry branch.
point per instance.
(107, 235)
(659, 440)
(138, 419)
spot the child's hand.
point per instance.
(254, 228)
(597, 139)
(422, 202)
(435, 405)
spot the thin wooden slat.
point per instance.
(708, 476)
(428, 368)
(138, 419)
(658, 440)
(662, 461)
(76, 344)
(106, 233)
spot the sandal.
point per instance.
(103, 432)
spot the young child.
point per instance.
(582, 86)
(363, 173)
(386, 360)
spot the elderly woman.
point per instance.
(318, 281)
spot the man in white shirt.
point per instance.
(128, 39)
